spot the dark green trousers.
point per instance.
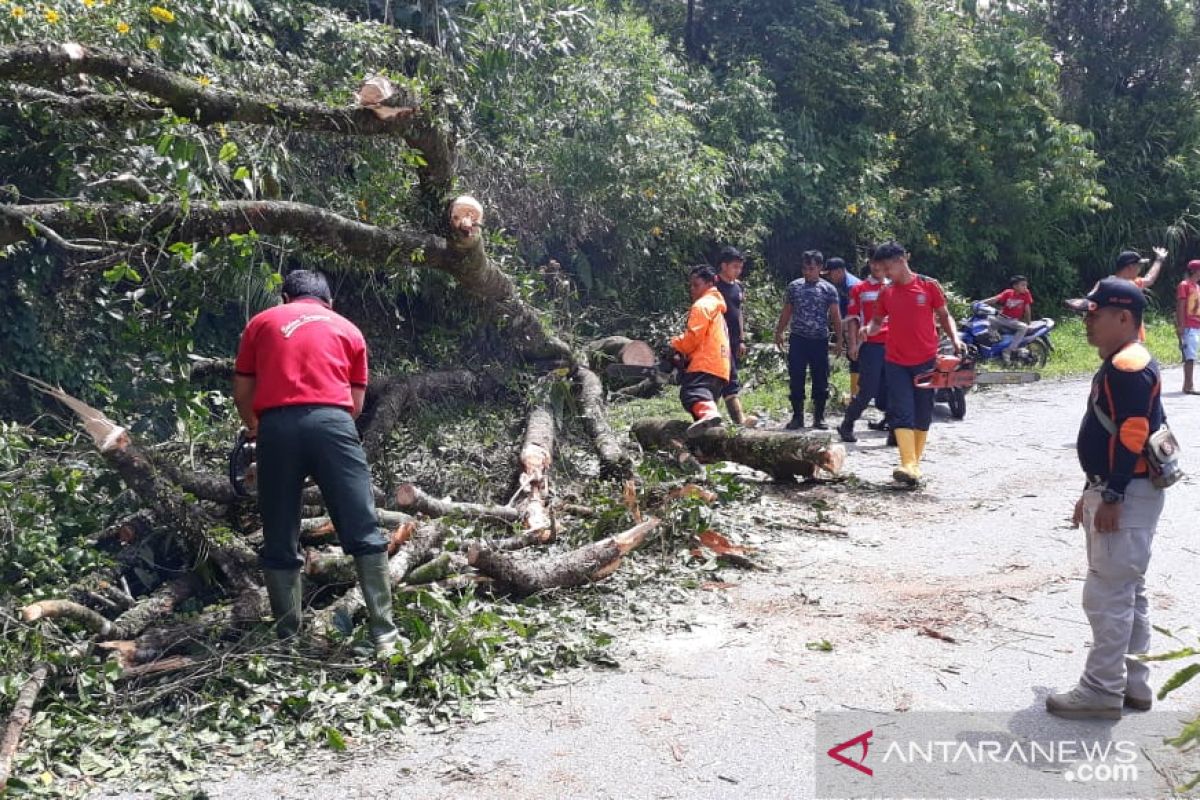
(294, 443)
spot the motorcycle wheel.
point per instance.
(958, 403)
(1039, 352)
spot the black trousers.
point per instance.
(697, 387)
(871, 382)
(295, 442)
(804, 355)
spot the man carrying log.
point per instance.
(300, 379)
(729, 268)
(704, 347)
(909, 306)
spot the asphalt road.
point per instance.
(964, 596)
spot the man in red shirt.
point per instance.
(300, 379)
(908, 307)
(1016, 312)
(867, 351)
(1187, 322)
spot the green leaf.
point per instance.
(1179, 679)
(241, 173)
(1186, 652)
(229, 152)
(334, 739)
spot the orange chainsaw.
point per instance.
(952, 372)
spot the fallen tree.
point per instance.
(781, 454)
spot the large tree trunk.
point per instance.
(587, 564)
(781, 454)
(620, 350)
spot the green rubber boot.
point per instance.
(376, 587)
(283, 589)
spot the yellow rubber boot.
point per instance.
(906, 442)
(853, 384)
(920, 437)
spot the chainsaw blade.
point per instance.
(1006, 377)
(630, 371)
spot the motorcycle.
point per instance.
(984, 342)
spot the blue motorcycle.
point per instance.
(984, 341)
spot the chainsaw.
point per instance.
(243, 468)
(952, 372)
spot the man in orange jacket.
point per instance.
(705, 347)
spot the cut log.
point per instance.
(614, 461)
(68, 610)
(18, 719)
(409, 497)
(533, 464)
(584, 565)
(334, 566)
(619, 350)
(781, 454)
(126, 531)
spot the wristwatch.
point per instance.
(1109, 496)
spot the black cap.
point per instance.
(1111, 292)
(1128, 257)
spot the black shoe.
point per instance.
(891, 440)
(1138, 704)
(819, 424)
(795, 423)
(881, 425)
(846, 432)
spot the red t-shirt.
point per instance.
(302, 353)
(864, 304)
(912, 336)
(1190, 294)
(1014, 303)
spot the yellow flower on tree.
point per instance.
(154, 43)
(656, 231)
(52, 16)
(162, 15)
(204, 80)
(932, 239)
(122, 28)
(852, 209)
(17, 12)
(89, 3)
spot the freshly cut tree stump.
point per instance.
(533, 470)
(620, 350)
(587, 564)
(781, 454)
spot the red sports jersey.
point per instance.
(1014, 303)
(912, 336)
(302, 353)
(864, 304)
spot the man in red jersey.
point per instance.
(909, 306)
(300, 379)
(1187, 322)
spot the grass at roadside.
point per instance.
(1074, 356)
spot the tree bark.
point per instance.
(18, 719)
(95, 623)
(781, 454)
(614, 461)
(584, 565)
(409, 497)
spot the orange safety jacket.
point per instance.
(705, 343)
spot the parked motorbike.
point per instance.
(984, 342)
